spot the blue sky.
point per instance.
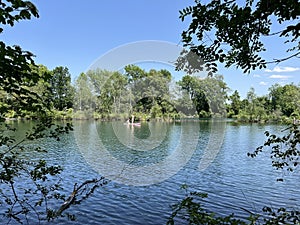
(75, 33)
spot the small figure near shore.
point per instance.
(295, 121)
(130, 121)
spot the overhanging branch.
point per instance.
(77, 190)
(283, 59)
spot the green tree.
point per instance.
(151, 92)
(235, 104)
(19, 78)
(192, 85)
(231, 32)
(43, 88)
(134, 73)
(286, 99)
(187, 83)
(254, 108)
(216, 93)
(109, 90)
(84, 99)
(184, 104)
(208, 95)
(118, 90)
(62, 92)
(252, 103)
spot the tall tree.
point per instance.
(235, 104)
(208, 95)
(43, 87)
(252, 103)
(62, 92)
(108, 88)
(150, 90)
(119, 92)
(84, 99)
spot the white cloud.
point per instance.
(256, 75)
(263, 83)
(281, 77)
(284, 69)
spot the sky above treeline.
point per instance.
(76, 33)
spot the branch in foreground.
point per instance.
(84, 190)
(283, 59)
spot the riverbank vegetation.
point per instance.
(153, 94)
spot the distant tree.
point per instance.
(263, 108)
(216, 93)
(252, 100)
(254, 108)
(117, 85)
(286, 99)
(43, 87)
(134, 73)
(191, 86)
(84, 99)
(208, 95)
(108, 87)
(151, 92)
(166, 74)
(235, 104)
(187, 83)
(62, 92)
(231, 32)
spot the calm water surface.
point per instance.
(233, 181)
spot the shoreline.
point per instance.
(182, 119)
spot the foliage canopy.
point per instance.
(231, 33)
(23, 88)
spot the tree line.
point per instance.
(153, 94)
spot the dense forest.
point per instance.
(153, 94)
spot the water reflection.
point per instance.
(144, 137)
(120, 162)
(233, 181)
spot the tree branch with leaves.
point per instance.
(231, 33)
(18, 83)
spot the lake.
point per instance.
(148, 164)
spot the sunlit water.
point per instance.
(233, 181)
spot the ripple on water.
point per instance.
(233, 181)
